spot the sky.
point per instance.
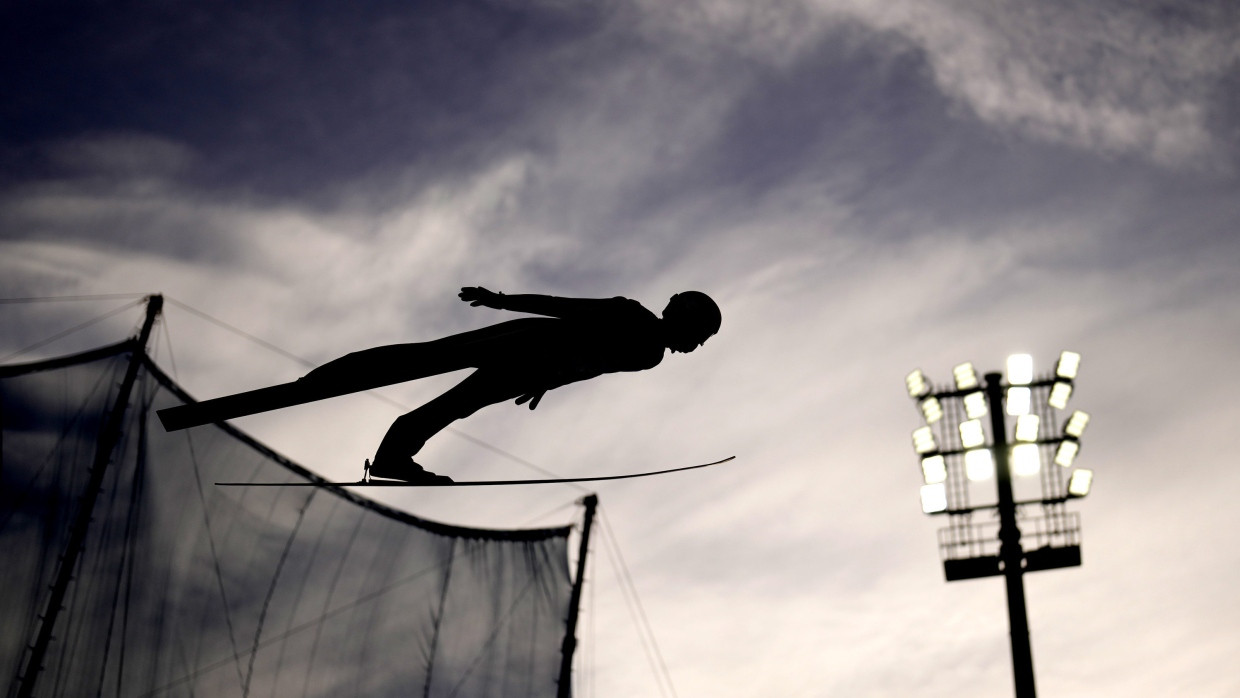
(865, 188)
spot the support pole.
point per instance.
(109, 436)
(570, 634)
(1010, 552)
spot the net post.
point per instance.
(564, 686)
(109, 436)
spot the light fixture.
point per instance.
(971, 434)
(966, 377)
(975, 405)
(1060, 392)
(933, 498)
(1069, 364)
(979, 465)
(1080, 482)
(1076, 424)
(1027, 427)
(1020, 369)
(1003, 437)
(934, 469)
(1066, 453)
(1026, 460)
(1018, 400)
(917, 385)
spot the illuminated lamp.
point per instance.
(979, 465)
(1026, 460)
(1080, 482)
(933, 498)
(1076, 424)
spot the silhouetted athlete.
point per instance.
(580, 338)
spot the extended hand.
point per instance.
(478, 296)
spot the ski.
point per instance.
(250, 402)
(469, 483)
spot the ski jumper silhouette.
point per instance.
(577, 339)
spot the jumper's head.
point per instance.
(691, 318)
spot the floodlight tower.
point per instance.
(961, 456)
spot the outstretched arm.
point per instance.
(552, 306)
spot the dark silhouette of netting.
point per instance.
(184, 588)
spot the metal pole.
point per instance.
(1010, 552)
(109, 436)
(564, 689)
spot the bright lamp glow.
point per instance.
(923, 440)
(932, 410)
(1076, 424)
(1069, 364)
(934, 469)
(917, 385)
(1060, 392)
(1079, 483)
(1066, 453)
(966, 377)
(933, 498)
(1020, 369)
(979, 465)
(971, 434)
(1018, 400)
(1027, 427)
(975, 405)
(1026, 460)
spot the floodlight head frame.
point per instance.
(946, 425)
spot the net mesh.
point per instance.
(184, 588)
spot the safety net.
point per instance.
(183, 588)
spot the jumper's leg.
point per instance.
(409, 432)
(395, 363)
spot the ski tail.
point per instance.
(238, 405)
(273, 397)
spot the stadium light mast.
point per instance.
(960, 458)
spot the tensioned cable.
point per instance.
(172, 359)
(304, 579)
(610, 537)
(437, 621)
(139, 489)
(237, 330)
(71, 330)
(499, 625)
(331, 593)
(95, 297)
(127, 535)
(528, 522)
(215, 558)
(625, 593)
(271, 590)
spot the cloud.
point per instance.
(1114, 78)
(1119, 78)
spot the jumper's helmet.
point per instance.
(695, 314)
